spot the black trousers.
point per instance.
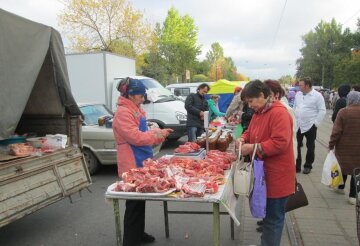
(310, 136)
(134, 222)
(352, 185)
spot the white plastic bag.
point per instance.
(331, 174)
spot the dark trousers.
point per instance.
(352, 185)
(134, 222)
(310, 136)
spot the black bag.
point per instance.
(298, 199)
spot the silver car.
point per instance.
(99, 147)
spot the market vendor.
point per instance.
(214, 108)
(134, 145)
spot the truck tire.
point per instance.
(91, 161)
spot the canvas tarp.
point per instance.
(33, 73)
(225, 89)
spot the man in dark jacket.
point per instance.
(196, 105)
(343, 91)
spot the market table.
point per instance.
(225, 196)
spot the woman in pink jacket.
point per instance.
(134, 145)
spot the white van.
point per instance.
(184, 89)
(161, 107)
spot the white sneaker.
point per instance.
(352, 200)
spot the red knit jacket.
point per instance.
(272, 129)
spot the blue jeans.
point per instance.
(194, 132)
(274, 221)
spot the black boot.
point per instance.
(146, 238)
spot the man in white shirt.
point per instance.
(309, 107)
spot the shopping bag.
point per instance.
(257, 197)
(243, 173)
(331, 174)
(298, 199)
(239, 131)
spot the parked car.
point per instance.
(99, 147)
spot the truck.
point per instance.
(92, 74)
(94, 78)
(35, 98)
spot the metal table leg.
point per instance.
(166, 220)
(117, 222)
(216, 224)
(232, 228)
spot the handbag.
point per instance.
(298, 199)
(257, 197)
(243, 174)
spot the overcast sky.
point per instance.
(263, 42)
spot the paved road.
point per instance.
(328, 220)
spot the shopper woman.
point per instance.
(345, 139)
(271, 128)
(213, 107)
(134, 145)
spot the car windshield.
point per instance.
(152, 84)
(93, 112)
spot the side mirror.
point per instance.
(147, 101)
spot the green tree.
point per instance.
(322, 48)
(286, 80)
(178, 43)
(216, 53)
(348, 70)
(199, 78)
(110, 25)
(154, 65)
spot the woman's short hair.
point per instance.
(353, 98)
(202, 86)
(275, 87)
(255, 88)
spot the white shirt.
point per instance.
(284, 101)
(309, 109)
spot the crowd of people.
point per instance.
(267, 120)
(279, 128)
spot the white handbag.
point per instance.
(243, 173)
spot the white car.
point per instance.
(99, 147)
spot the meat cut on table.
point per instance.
(190, 177)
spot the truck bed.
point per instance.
(30, 183)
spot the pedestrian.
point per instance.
(343, 91)
(196, 105)
(134, 145)
(247, 113)
(331, 96)
(335, 98)
(214, 108)
(356, 88)
(326, 96)
(278, 94)
(236, 104)
(345, 139)
(309, 107)
(271, 129)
